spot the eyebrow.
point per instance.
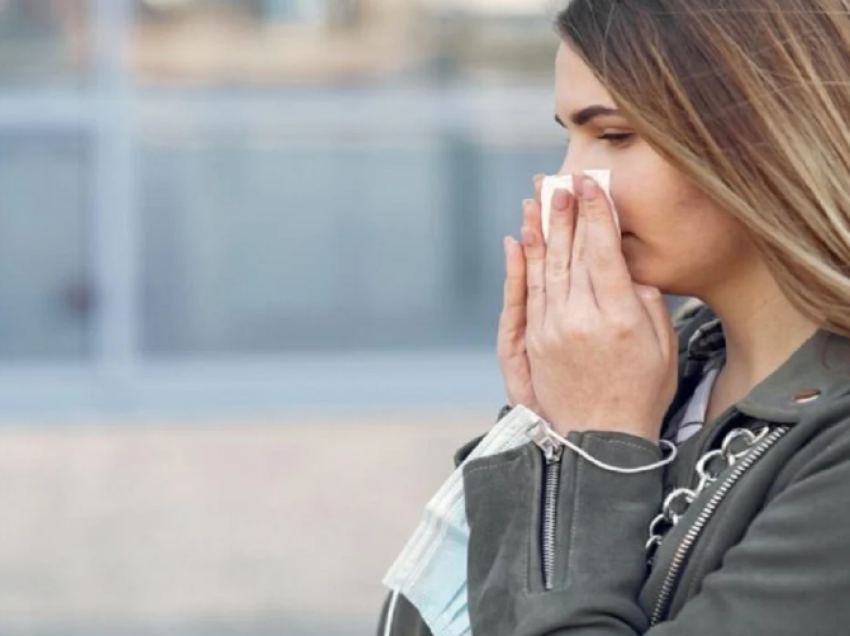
(585, 115)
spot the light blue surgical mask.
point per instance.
(431, 570)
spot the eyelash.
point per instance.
(617, 139)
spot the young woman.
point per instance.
(725, 126)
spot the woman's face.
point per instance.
(674, 238)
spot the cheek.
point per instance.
(654, 201)
(641, 202)
(691, 249)
(642, 185)
(681, 241)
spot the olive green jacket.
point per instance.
(763, 551)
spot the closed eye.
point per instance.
(617, 139)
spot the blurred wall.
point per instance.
(250, 273)
(199, 186)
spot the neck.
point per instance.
(761, 327)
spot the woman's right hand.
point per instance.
(511, 346)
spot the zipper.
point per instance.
(684, 549)
(552, 452)
(552, 478)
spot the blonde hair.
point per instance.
(750, 100)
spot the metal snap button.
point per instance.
(810, 395)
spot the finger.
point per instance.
(512, 319)
(581, 287)
(533, 213)
(656, 308)
(535, 265)
(538, 188)
(609, 274)
(558, 249)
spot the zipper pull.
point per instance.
(552, 449)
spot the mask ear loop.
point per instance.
(388, 626)
(614, 469)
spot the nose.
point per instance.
(576, 161)
(572, 163)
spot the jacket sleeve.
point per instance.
(789, 575)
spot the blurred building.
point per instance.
(189, 218)
(337, 40)
(250, 274)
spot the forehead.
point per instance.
(576, 86)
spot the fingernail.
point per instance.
(578, 182)
(589, 189)
(561, 199)
(538, 177)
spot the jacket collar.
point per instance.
(815, 376)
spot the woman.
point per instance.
(724, 123)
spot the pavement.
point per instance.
(254, 526)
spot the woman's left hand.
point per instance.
(602, 349)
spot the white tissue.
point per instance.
(551, 184)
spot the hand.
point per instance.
(602, 350)
(511, 345)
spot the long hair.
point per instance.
(750, 100)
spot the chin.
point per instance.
(653, 276)
(652, 272)
(663, 283)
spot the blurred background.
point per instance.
(250, 273)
